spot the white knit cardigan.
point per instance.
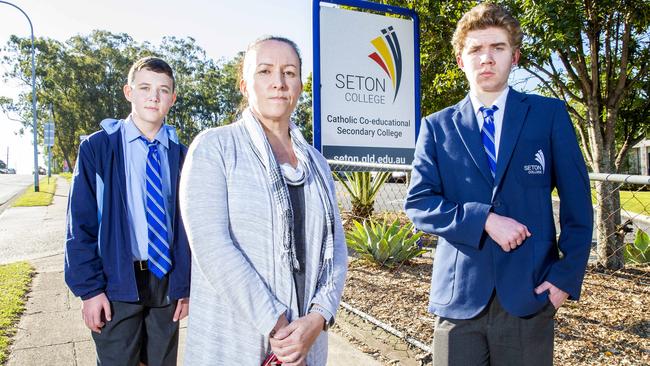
(239, 284)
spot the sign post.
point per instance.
(48, 141)
(366, 82)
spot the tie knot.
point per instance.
(152, 145)
(488, 112)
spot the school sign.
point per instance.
(367, 66)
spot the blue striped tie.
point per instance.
(158, 249)
(487, 135)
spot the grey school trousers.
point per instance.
(495, 338)
(141, 331)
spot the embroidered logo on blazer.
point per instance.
(537, 168)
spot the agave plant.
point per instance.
(386, 244)
(639, 251)
(363, 188)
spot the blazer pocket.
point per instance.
(533, 163)
(444, 274)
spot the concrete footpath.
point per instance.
(51, 331)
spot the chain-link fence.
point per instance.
(608, 326)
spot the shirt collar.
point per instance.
(132, 133)
(500, 102)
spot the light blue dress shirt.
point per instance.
(135, 164)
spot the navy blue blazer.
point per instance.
(98, 255)
(452, 191)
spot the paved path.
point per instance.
(34, 232)
(51, 331)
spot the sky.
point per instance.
(222, 28)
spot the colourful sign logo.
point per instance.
(389, 61)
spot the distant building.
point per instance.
(638, 158)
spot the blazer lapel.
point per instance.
(467, 127)
(513, 120)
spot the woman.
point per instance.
(258, 202)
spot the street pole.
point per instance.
(35, 125)
(49, 148)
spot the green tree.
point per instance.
(302, 116)
(79, 81)
(83, 77)
(595, 56)
(230, 98)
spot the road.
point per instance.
(11, 184)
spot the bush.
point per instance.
(639, 251)
(388, 245)
(363, 188)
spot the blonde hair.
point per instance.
(484, 16)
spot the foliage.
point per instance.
(595, 56)
(302, 116)
(386, 244)
(363, 188)
(43, 197)
(639, 251)
(82, 80)
(15, 279)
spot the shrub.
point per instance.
(363, 188)
(639, 251)
(388, 245)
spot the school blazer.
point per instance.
(452, 191)
(98, 256)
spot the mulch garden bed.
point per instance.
(609, 326)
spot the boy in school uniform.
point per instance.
(483, 174)
(127, 254)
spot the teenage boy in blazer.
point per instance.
(483, 174)
(127, 254)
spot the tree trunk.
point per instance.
(608, 226)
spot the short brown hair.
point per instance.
(483, 16)
(154, 64)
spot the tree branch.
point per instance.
(554, 76)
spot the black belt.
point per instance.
(141, 265)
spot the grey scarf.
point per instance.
(261, 147)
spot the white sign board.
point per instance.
(368, 87)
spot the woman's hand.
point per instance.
(292, 342)
(281, 323)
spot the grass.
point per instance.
(15, 279)
(43, 197)
(67, 176)
(631, 201)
